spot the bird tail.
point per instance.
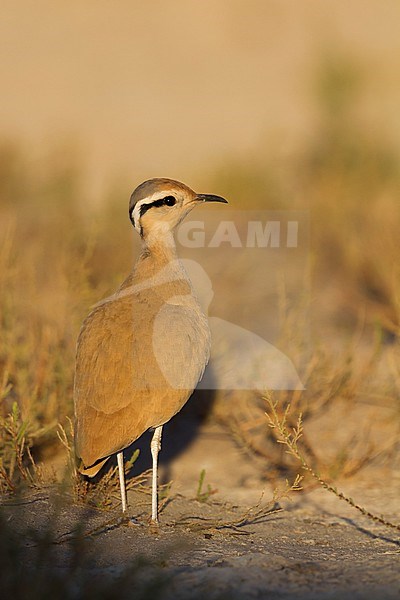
(93, 469)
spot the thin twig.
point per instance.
(290, 439)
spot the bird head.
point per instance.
(159, 205)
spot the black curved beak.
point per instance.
(210, 198)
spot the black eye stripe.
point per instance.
(167, 201)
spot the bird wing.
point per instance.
(133, 373)
(109, 364)
(181, 343)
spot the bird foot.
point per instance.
(154, 526)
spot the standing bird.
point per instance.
(142, 351)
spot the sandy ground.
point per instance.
(316, 547)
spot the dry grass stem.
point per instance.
(290, 438)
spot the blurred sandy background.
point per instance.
(136, 90)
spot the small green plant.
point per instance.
(204, 496)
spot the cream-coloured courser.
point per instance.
(141, 352)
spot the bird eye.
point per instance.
(169, 201)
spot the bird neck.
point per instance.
(157, 265)
(158, 260)
(159, 245)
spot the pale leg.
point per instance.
(120, 459)
(155, 447)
